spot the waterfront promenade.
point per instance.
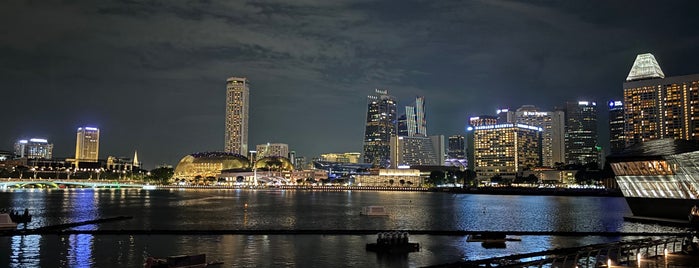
(502, 190)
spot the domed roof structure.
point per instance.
(275, 163)
(209, 164)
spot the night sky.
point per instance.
(151, 74)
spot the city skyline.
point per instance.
(150, 75)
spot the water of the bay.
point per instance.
(293, 210)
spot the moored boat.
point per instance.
(374, 211)
(393, 243)
(6, 222)
(181, 261)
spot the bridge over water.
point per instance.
(47, 183)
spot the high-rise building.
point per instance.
(272, 149)
(413, 123)
(656, 106)
(237, 114)
(34, 149)
(505, 149)
(457, 147)
(380, 126)
(416, 151)
(617, 141)
(553, 135)
(87, 144)
(581, 133)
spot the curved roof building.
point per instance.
(659, 178)
(209, 164)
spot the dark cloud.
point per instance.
(151, 74)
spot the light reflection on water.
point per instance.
(269, 209)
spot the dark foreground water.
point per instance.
(291, 210)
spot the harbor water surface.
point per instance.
(297, 210)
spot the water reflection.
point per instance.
(262, 209)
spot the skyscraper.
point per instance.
(417, 151)
(380, 126)
(272, 149)
(87, 144)
(237, 114)
(553, 135)
(657, 107)
(457, 147)
(413, 123)
(505, 149)
(34, 148)
(581, 133)
(617, 141)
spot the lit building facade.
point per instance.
(617, 140)
(656, 107)
(413, 122)
(272, 149)
(505, 149)
(34, 149)
(237, 115)
(87, 144)
(380, 126)
(659, 178)
(552, 124)
(352, 158)
(581, 133)
(457, 147)
(391, 177)
(412, 151)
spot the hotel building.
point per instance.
(505, 149)
(87, 144)
(237, 114)
(272, 149)
(658, 107)
(34, 149)
(552, 124)
(380, 126)
(417, 151)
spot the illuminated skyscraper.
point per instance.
(272, 149)
(34, 148)
(380, 126)
(657, 107)
(457, 147)
(413, 123)
(505, 149)
(417, 151)
(581, 133)
(617, 142)
(553, 134)
(237, 114)
(87, 145)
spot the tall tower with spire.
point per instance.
(135, 159)
(657, 107)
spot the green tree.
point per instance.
(161, 174)
(437, 177)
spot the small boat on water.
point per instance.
(393, 243)
(374, 211)
(181, 261)
(6, 222)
